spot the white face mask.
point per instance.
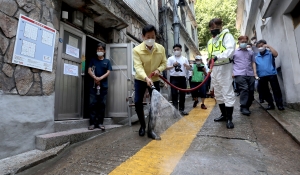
(177, 53)
(198, 62)
(261, 49)
(149, 42)
(249, 49)
(100, 54)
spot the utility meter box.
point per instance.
(88, 25)
(77, 18)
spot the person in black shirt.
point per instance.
(99, 69)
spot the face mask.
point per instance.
(149, 42)
(261, 49)
(249, 49)
(100, 54)
(243, 45)
(215, 32)
(177, 53)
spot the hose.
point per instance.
(192, 89)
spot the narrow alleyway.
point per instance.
(257, 145)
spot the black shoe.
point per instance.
(223, 113)
(229, 112)
(142, 131)
(270, 107)
(184, 113)
(195, 103)
(229, 124)
(237, 94)
(220, 119)
(151, 134)
(280, 108)
(245, 111)
(261, 101)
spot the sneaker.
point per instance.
(184, 113)
(280, 108)
(203, 106)
(92, 127)
(195, 103)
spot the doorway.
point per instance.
(91, 53)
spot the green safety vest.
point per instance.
(198, 76)
(217, 48)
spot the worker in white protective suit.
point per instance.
(221, 49)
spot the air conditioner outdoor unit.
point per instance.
(77, 18)
(88, 24)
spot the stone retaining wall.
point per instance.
(16, 79)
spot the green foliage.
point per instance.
(208, 9)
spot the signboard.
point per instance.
(34, 46)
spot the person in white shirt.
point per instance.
(178, 66)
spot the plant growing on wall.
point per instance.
(208, 9)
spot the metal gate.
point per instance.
(120, 79)
(68, 94)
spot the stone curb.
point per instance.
(288, 119)
(24, 161)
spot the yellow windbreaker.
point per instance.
(146, 62)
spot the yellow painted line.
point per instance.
(161, 157)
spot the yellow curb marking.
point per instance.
(161, 157)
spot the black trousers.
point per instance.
(245, 85)
(179, 81)
(263, 82)
(97, 106)
(140, 89)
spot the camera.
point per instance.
(178, 68)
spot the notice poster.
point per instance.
(73, 51)
(34, 46)
(70, 69)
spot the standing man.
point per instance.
(244, 71)
(221, 48)
(149, 57)
(178, 66)
(99, 70)
(266, 70)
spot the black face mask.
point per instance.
(215, 32)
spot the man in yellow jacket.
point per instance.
(149, 57)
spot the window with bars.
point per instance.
(183, 17)
(193, 32)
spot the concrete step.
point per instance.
(48, 141)
(76, 124)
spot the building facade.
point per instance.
(277, 22)
(33, 101)
(188, 26)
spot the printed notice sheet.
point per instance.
(34, 46)
(73, 51)
(47, 38)
(28, 48)
(70, 69)
(31, 31)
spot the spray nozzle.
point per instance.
(152, 87)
